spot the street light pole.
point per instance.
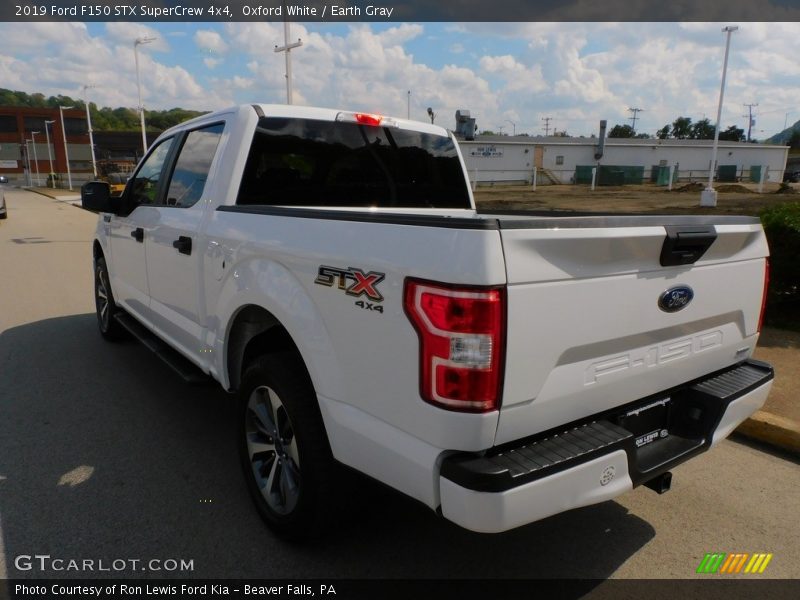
(431, 114)
(408, 109)
(50, 154)
(514, 125)
(89, 125)
(64, 135)
(35, 157)
(708, 197)
(138, 42)
(28, 158)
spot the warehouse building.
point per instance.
(511, 159)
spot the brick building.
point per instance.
(23, 144)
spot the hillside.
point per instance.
(103, 119)
(784, 136)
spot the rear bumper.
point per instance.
(601, 457)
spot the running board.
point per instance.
(186, 369)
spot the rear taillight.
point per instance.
(764, 295)
(462, 341)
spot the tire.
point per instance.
(283, 447)
(105, 306)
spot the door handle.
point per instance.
(183, 244)
(138, 234)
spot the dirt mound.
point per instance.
(786, 189)
(690, 187)
(733, 187)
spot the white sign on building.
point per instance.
(486, 151)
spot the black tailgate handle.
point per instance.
(684, 245)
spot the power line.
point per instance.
(749, 116)
(547, 125)
(633, 118)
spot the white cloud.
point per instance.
(400, 35)
(127, 33)
(576, 73)
(516, 76)
(242, 83)
(210, 41)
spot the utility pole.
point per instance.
(287, 47)
(547, 125)
(635, 111)
(749, 116)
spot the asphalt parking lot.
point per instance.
(105, 454)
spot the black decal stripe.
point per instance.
(366, 217)
(520, 219)
(497, 219)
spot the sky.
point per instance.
(510, 76)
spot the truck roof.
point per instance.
(309, 112)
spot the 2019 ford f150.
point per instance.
(331, 269)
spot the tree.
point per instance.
(681, 128)
(732, 134)
(103, 119)
(702, 130)
(642, 136)
(663, 133)
(794, 140)
(621, 131)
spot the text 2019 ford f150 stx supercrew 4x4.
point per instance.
(331, 268)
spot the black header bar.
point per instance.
(344, 11)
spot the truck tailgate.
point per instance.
(585, 329)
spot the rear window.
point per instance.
(304, 162)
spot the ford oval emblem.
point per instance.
(675, 298)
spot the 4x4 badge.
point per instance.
(354, 282)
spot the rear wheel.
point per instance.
(105, 306)
(283, 446)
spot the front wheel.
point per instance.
(283, 446)
(105, 306)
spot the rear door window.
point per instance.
(305, 162)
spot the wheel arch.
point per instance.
(254, 331)
(263, 300)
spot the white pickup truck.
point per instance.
(331, 268)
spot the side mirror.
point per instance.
(96, 196)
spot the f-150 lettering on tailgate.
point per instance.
(653, 356)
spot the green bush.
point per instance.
(782, 226)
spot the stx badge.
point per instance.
(353, 281)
